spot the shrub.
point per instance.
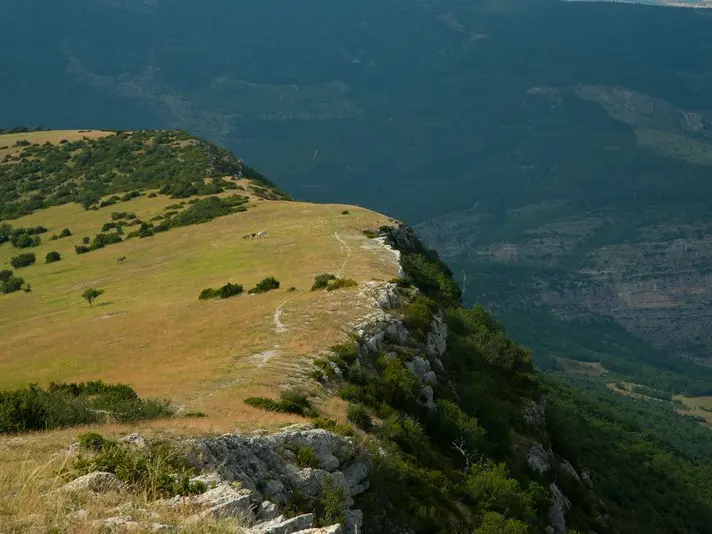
(63, 405)
(321, 281)
(92, 441)
(264, 403)
(25, 240)
(268, 284)
(418, 315)
(52, 257)
(340, 283)
(5, 274)
(81, 249)
(332, 426)
(86, 240)
(345, 212)
(12, 284)
(65, 233)
(305, 457)
(358, 415)
(230, 290)
(23, 260)
(291, 401)
(332, 505)
(226, 291)
(158, 470)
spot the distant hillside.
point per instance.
(561, 144)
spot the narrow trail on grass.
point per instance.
(279, 326)
(346, 249)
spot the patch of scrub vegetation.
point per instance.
(200, 211)
(23, 260)
(263, 286)
(53, 257)
(156, 470)
(321, 281)
(341, 283)
(87, 170)
(332, 283)
(226, 291)
(65, 405)
(9, 283)
(290, 401)
(328, 508)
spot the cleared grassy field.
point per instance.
(149, 329)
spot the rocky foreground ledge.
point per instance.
(256, 479)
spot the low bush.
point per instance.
(332, 426)
(305, 457)
(157, 470)
(52, 257)
(81, 249)
(418, 315)
(321, 281)
(23, 260)
(63, 405)
(342, 283)
(5, 274)
(268, 284)
(358, 415)
(12, 283)
(65, 233)
(345, 212)
(25, 240)
(226, 291)
(291, 401)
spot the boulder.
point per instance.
(134, 440)
(356, 477)
(224, 501)
(97, 482)
(333, 529)
(267, 511)
(436, 340)
(281, 525)
(354, 522)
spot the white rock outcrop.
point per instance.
(97, 482)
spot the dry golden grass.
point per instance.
(32, 499)
(149, 329)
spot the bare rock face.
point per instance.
(538, 458)
(263, 466)
(281, 525)
(557, 511)
(97, 482)
(225, 501)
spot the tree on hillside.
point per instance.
(91, 294)
(53, 257)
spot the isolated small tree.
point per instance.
(52, 257)
(91, 294)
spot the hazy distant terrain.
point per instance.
(564, 175)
